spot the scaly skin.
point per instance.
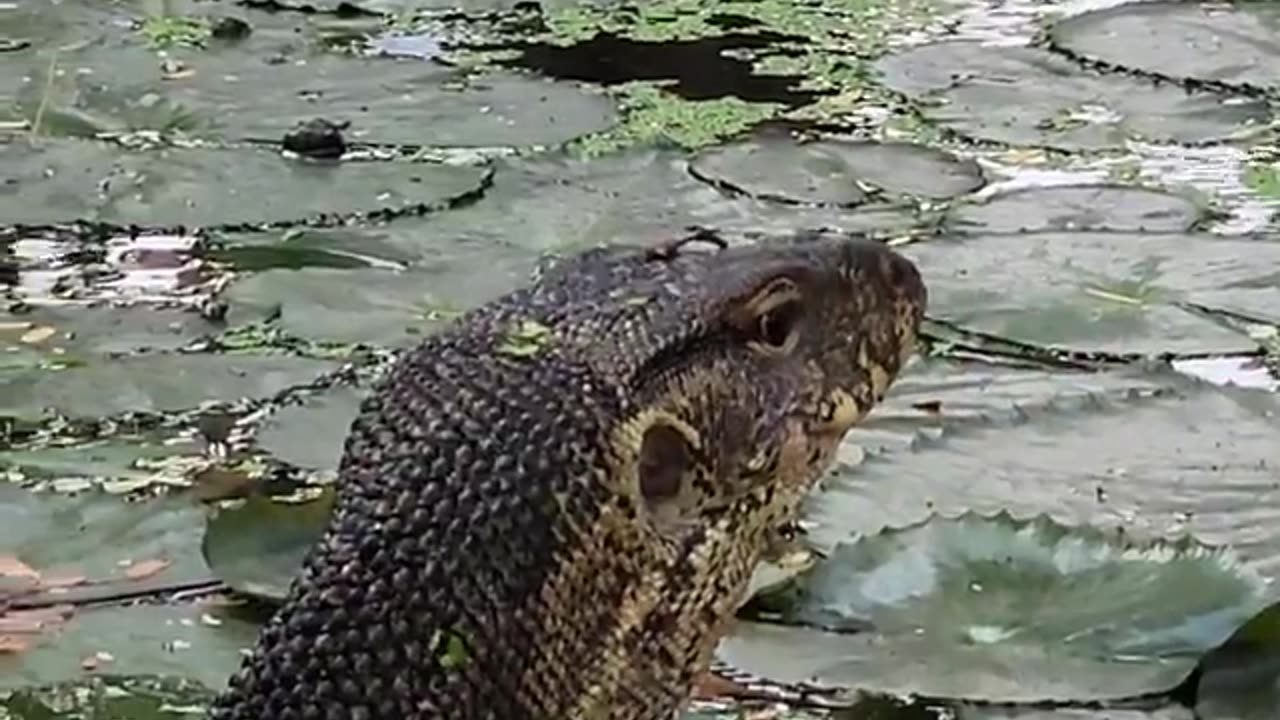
(558, 522)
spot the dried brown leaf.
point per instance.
(54, 582)
(23, 622)
(11, 566)
(14, 644)
(38, 335)
(145, 568)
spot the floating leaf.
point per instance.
(556, 203)
(312, 435)
(1029, 96)
(92, 534)
(833, 172)
(110, 697)
(107, 329)
(1234, 44)
(376, 306)
(118, 465)
(997, 608)
(257, 546)
(156, 383)
(65, 181)
(1078, 207)
(1106, 462)
(1045, 287)
(284, 73)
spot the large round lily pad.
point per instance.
(104, 329)
(1100, 291)
(375, 306)
(176, 640)
(1028, 96)
(832, 172)
(312, 435)
(1078, 207)
(258, 545)
(1200, 461)
(934, 397)
(1236, 44)
(555, 203)
(1014, 610)
(285, 72)
(72, 180)
(156, 383)
(111, 697)
(117, 465)
(95, 535)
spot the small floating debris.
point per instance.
(1242, 372)
(317, 138)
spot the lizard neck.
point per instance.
(475, 561)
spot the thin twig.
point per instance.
(44, 97)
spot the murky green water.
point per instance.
(1090, 189)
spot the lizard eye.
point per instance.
(777, 325)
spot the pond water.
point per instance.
(1068, 507)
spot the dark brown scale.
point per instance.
(494, 551)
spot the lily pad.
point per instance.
(1233, 44)
(118, 465)
(1017, 610)
(26, 27)
(1100, 291)
(312, 435)
(556, 203)
(1078, 207)
(935, 397)
(99, 330)
(291, 69)
(69, 180)
(1028, 96)
(381, 307)
(833, 172)
(151, 383)
(50, 183)
(1196, 461)
(110, 697)
(257, 546)
(252, 258)
(188, 640)
(299, 247)
(93, 534)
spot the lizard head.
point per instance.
(743, 368)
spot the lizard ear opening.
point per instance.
(665, 459)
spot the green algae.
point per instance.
(1263, 178)
(652, 116)
(826, 48)
(168, 31)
